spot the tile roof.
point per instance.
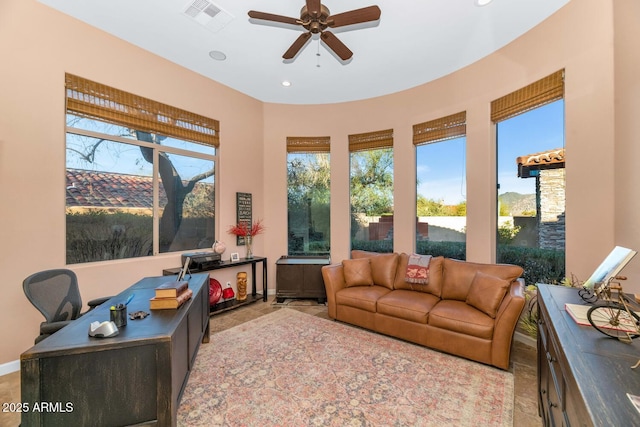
(544, 158)
(110, 190)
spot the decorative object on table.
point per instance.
(219, 247)
(138, 315)
(215, 291)
(242, 286)
(227, 292)
(243, 229)
(235, 257)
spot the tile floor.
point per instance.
(523, 362)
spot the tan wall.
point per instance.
(627, 135)
(38, 45)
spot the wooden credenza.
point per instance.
(301, 277)
(134, 378)
(583, 375)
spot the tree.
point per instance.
(174, 187)
(372, 182)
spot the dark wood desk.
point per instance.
(135, 377)
(583, 375)
(231, 304)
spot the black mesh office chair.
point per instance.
(56, 295)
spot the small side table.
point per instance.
(232, 304)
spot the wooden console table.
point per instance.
(583, 375)
(232, 304)
(136, 377)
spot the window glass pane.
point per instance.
(83, 123)
(371, 194)
(109, 201)
(110, 190)
(441, 198)
(186, 202)
(308, 176)
(531, 198)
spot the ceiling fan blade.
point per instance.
(336, 45)
(297, 45)
(356, 16)
(313, 8)
(271, 17)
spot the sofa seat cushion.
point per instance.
(458, 316)
(362, 297)
(407, 305)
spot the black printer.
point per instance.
(201, 260)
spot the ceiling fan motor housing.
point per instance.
(314, 24)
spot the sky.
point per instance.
(441, 166)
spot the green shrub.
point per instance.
(540, 265)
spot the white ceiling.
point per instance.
(414, 42)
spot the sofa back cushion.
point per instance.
(486, 293)
(457, 276)
(357, 272)
(383, 266)
(434, 286)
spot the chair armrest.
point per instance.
(96, 302)
(50, 328)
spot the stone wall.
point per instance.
(551, 208)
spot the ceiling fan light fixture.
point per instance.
(217, 55)
(481, 3)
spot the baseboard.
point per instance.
(525, 339)
(9, 367)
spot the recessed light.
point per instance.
(286, 83)
(483, 2)
(217, 55)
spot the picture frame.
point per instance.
(235, 257)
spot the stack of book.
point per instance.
(171, 295)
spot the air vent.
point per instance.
(205, 13)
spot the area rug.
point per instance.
(288, 368)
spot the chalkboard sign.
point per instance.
(243, 213)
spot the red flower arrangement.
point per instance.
(242, 229)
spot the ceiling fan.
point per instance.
(316, 18)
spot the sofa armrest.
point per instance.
(333, 276)
(506, 321)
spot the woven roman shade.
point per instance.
(101, 102)
(449, 127)
(308, 144)
(371, 140)
(537, 94)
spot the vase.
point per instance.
(241, 284)
(248, 240)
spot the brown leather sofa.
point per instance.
(466, 309)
